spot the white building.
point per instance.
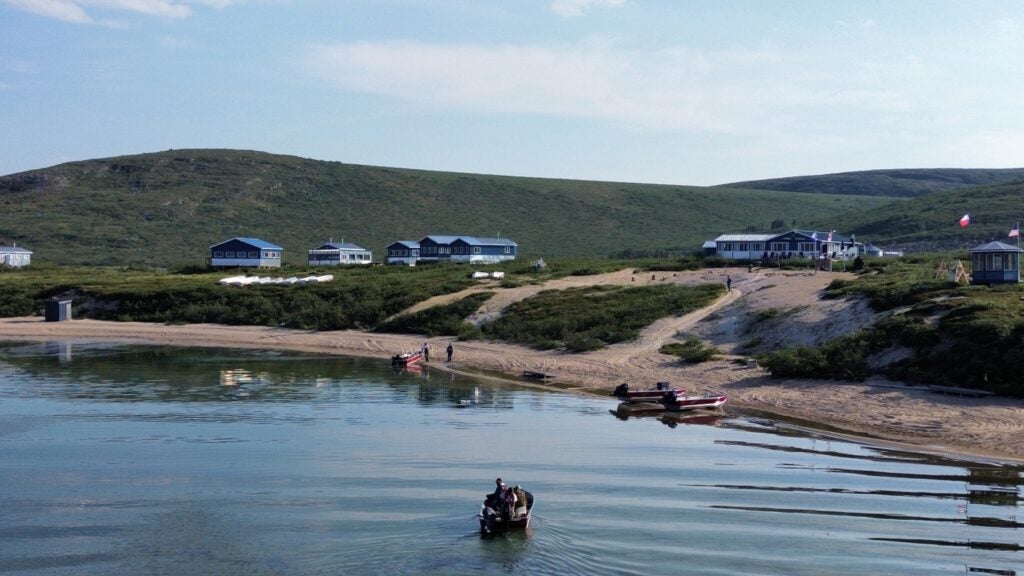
(15, 256)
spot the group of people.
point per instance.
(505, 502)
(425, 350)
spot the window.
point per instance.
(229, 254)
(218, 253)
(254, 254)
(806, 247)
(508, 249)
(780, 246)
(476, 249)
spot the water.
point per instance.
(148, 460)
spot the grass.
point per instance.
(959, 335)
(167, 208)
(582, 319)
(445, 320)
(357, 298)
(691, 351)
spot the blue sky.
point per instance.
(674, 92)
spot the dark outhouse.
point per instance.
(58, 310)
(995, 263)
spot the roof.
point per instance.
(407, 243)
(441, 238)
(745, 237)
(256, 242)
(709, 244)
(14, 250)
(823, 235)
(339, 246)
(996, 247)
(474, 241)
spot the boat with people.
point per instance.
(406, 358)
(624, 392)
(499, 515)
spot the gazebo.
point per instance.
(995, 263)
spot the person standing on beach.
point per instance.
(426, 352)
(728, 283)
(449, 350)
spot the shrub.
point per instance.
(691, 350)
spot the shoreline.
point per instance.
(988, 430)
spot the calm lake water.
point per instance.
(150, 460)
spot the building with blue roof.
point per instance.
(808, 244)
(245, 252)
(995, 263)
(405, 252)
(339, 254)
(451, 248)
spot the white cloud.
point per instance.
(64, 10)
(675, 88)
(80, 11)
(801, 105)
(571, 8)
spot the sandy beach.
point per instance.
(989, 428)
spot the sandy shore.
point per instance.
(990, 428)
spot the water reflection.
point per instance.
(136, 459)
(139, 373)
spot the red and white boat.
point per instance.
(623, 392)
(677, 403)
(406, 359)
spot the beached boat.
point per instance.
(682, 403)
(498, 524)
(531, 375)
(672, 402)
(623, 392)
(406, 359)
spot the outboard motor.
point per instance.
(621, 390)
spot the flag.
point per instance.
(965, 220)
(830, 235)
(1015, 231)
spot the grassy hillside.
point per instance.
(931, 223)
(894, 183)
(167, 208)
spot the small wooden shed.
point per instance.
(995, 263)
(57, 310)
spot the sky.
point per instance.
(687, 92)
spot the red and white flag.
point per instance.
(1015, 231)
(965, 221)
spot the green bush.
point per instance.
(691, 350)
(445, 320)
(595, 316)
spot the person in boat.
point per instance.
(520, 509)
(493, 504)
(508, 511)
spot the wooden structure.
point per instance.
(339, 254)
(245, 252)
(995, 263)
(57, 310)
(15, 256)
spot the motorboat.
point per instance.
(672, 402)
(493, 522)
(624, 392)
(406, 358)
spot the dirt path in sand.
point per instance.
(987, 427)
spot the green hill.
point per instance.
(908, 183)
(167, 208)
(931, 223)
